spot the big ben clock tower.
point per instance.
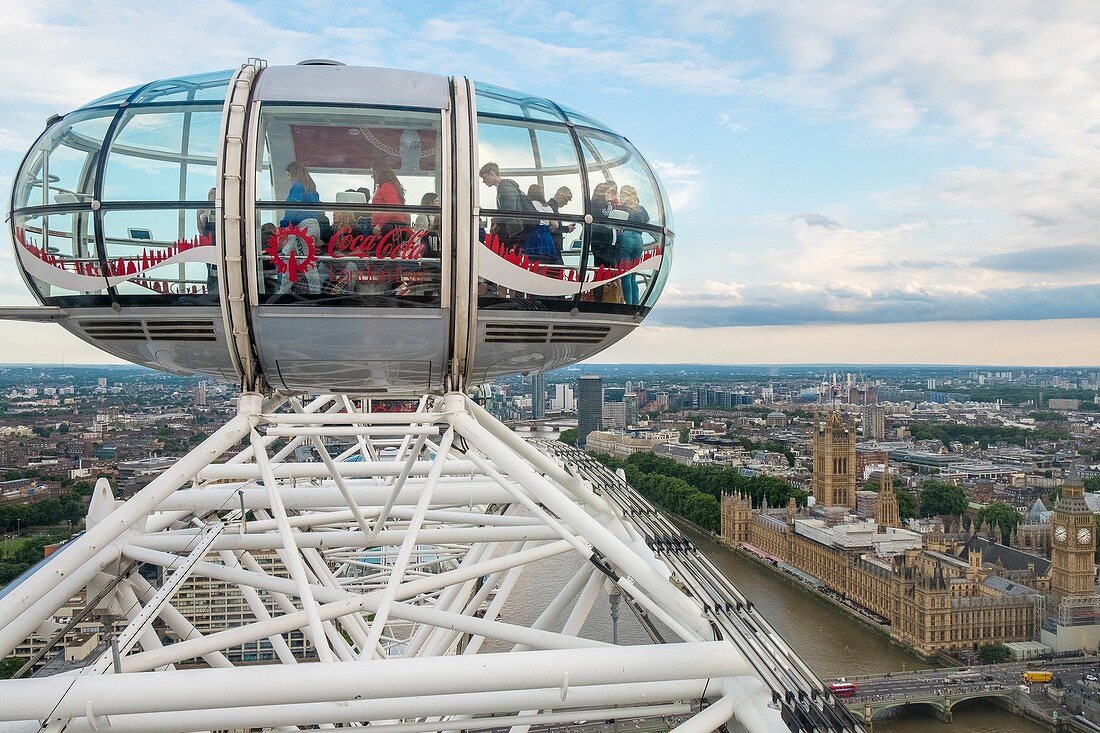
(1074, 543)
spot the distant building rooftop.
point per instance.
(1007, 557)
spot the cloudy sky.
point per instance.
(852, 181)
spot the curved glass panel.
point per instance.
(58, 254)
(349, 206)
(617, 273)
(114, 98)
(163, 154)
(666, 207)
(155, 254)
(654, 287)
(621, 265)
(579, 118)
(500, 101)
(536, 164)
(211, 86)
(525, 275)
(616, 164)
(60, 169)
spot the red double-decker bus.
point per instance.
(843, 689)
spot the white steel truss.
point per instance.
(371, 559)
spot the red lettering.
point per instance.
(386, 246)
(397, 244)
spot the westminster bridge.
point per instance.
(940, 690)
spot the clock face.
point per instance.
(1083, 536)
(1060, 533)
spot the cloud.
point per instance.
(682, 182)
(1064, 258)
(727, 121)
(844, 302)
(601, 52)
(907, 265)
(816, 220)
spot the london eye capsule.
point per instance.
(323, 227)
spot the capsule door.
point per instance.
(349, 260)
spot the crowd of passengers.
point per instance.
(335, 277)
(542, 240)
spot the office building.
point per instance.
(613, 394)
(874, 423)
(538, 396)
(564, 399)
(589, 406)
(630, 402)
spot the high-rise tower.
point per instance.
(1073, 545)
(874, 422)
(834, 448)
(538, 395)
(589, 406)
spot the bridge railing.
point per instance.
(914, 673)
(936, 693)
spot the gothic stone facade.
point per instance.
(933, 601)
(834, 453)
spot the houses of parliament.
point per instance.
(939, 591)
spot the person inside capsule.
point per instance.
(302, 189)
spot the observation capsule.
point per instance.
(323, 227)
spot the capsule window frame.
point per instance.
(181, 160)
(258, 165)
(259, 148)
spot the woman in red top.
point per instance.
(389, 191)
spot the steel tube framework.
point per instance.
(382, 584)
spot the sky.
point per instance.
(858, 182)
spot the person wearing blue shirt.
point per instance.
(302, 190)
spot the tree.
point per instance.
(994, 653)
(1092, 484)
(1002, 515)
(942, 499)
(907, 503)
(569, 437)
(685, 435)
(9, 666)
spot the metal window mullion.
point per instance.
(97, 194)
(586, 237)
(323, 206)
(185, 141)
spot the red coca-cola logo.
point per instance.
(400, 243)
(292, 250)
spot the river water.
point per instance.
(831, 642)
(834, 644)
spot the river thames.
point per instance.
(834, 644)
